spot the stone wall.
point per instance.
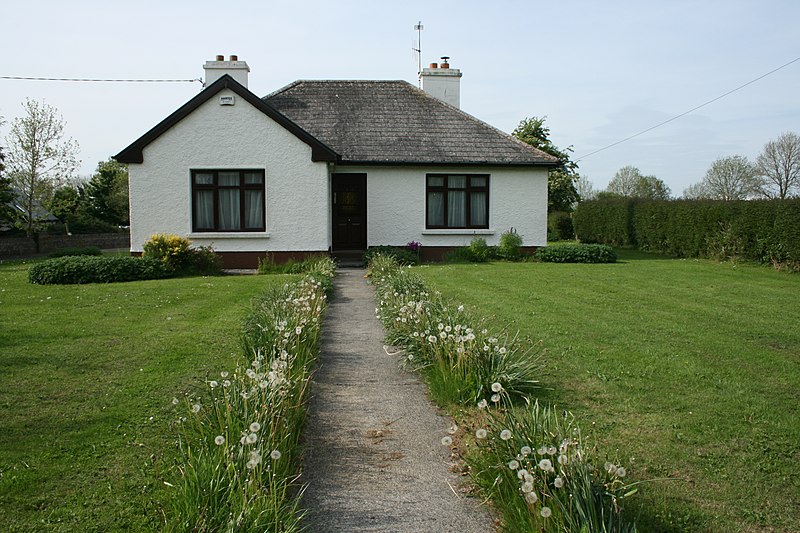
(16, 247)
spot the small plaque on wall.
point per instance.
(227, 100)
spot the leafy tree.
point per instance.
(39, 158)
(561, 192)
(106, 193)
(585, 188)
(728, 178)
(779, 166)
(696, 191)
(65, 204)
(629, 181)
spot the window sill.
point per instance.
(460, 231)
(229, 235)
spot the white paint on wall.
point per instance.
(396, 205)
(231, 137)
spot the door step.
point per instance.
(348, 258)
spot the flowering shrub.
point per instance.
(240, 434)
(178, 255)
(510, 247)
(542, 476)
(455, 351)
(404, 256)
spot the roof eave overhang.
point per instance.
(134, 152)
(357, 162)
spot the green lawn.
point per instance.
(690, 369)
(87, 375)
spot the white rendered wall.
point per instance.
(235, 137)
(396, 205)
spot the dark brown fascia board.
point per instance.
(447, 164)
(133, 153)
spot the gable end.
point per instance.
(134, 152)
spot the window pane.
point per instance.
(204, 209)
(254, 209)
(228, 178)
(456, 182)
(435, 181)
(229, 209)
(456, 209)
(253, 178)
(477, 209)
(204, 178)
(435, 209)
(478, 181)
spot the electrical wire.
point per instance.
(676, 117)
(97, 80)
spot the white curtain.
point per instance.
(456, 209)
(204, 209)
(229, 216)
(436, 209)
(477, 209)
(253, 209)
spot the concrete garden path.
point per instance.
(375, 461)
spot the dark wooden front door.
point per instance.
(349, 212)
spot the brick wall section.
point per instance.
(16, 247)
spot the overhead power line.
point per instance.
(676, 117)
(97, 80)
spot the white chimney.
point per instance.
(238, 70)
(442, 82)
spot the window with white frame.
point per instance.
(455, 201)
(228, 200)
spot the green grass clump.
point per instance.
(403, 255)
(687, 367)
(240, 437)
(541, 475)
(455, 351)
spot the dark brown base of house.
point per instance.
(435, 254)
(248, 260)
(242, 260)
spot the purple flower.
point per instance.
(414, 246)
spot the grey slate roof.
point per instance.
(383, 122)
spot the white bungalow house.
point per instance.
(323, 167)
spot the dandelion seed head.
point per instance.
(213, 384)
(527, 487)
(546, 512)
(175, 401)
(525, 450)
(483, 404)
(496, 398)
(251, 438)
(563, 459)
(621, 472)
(542, 450)
(551, 450)
(226, 383)
(275, 455)
(219, 440)
(513, 464)
(505, 434)
(254, 427)
(531, 497)
(545, 465)
(558, 483)
(497, 386)
(196, 408)
(480, 433)
(447, 440)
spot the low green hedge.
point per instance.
(577, 253)
(403, 255)
(92, 269)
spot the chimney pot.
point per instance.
(220, 58)
(234, 58)
(434, 65)
(442, 82)
(445, 62)
(214, 70)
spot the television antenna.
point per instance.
(416, 47)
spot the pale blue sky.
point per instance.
(599, 71)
